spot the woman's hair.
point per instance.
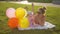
(39, 12)
(42, 10)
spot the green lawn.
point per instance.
(52, 15)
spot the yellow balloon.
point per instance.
(20, 13)
(24, 23)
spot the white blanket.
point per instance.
(46, 26)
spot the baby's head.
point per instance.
(30, 13)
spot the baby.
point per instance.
(31, 18)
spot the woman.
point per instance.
(40, 17)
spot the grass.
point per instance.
(52, 15)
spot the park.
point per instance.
(52, 16)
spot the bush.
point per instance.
(44, 1)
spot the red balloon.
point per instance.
(13, 22)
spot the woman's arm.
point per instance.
(43, 20)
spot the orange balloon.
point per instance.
(13, 23)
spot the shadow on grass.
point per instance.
(48, 31)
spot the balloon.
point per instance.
(10, 12)
(24, 23)
(20, 13)
(13, 22)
